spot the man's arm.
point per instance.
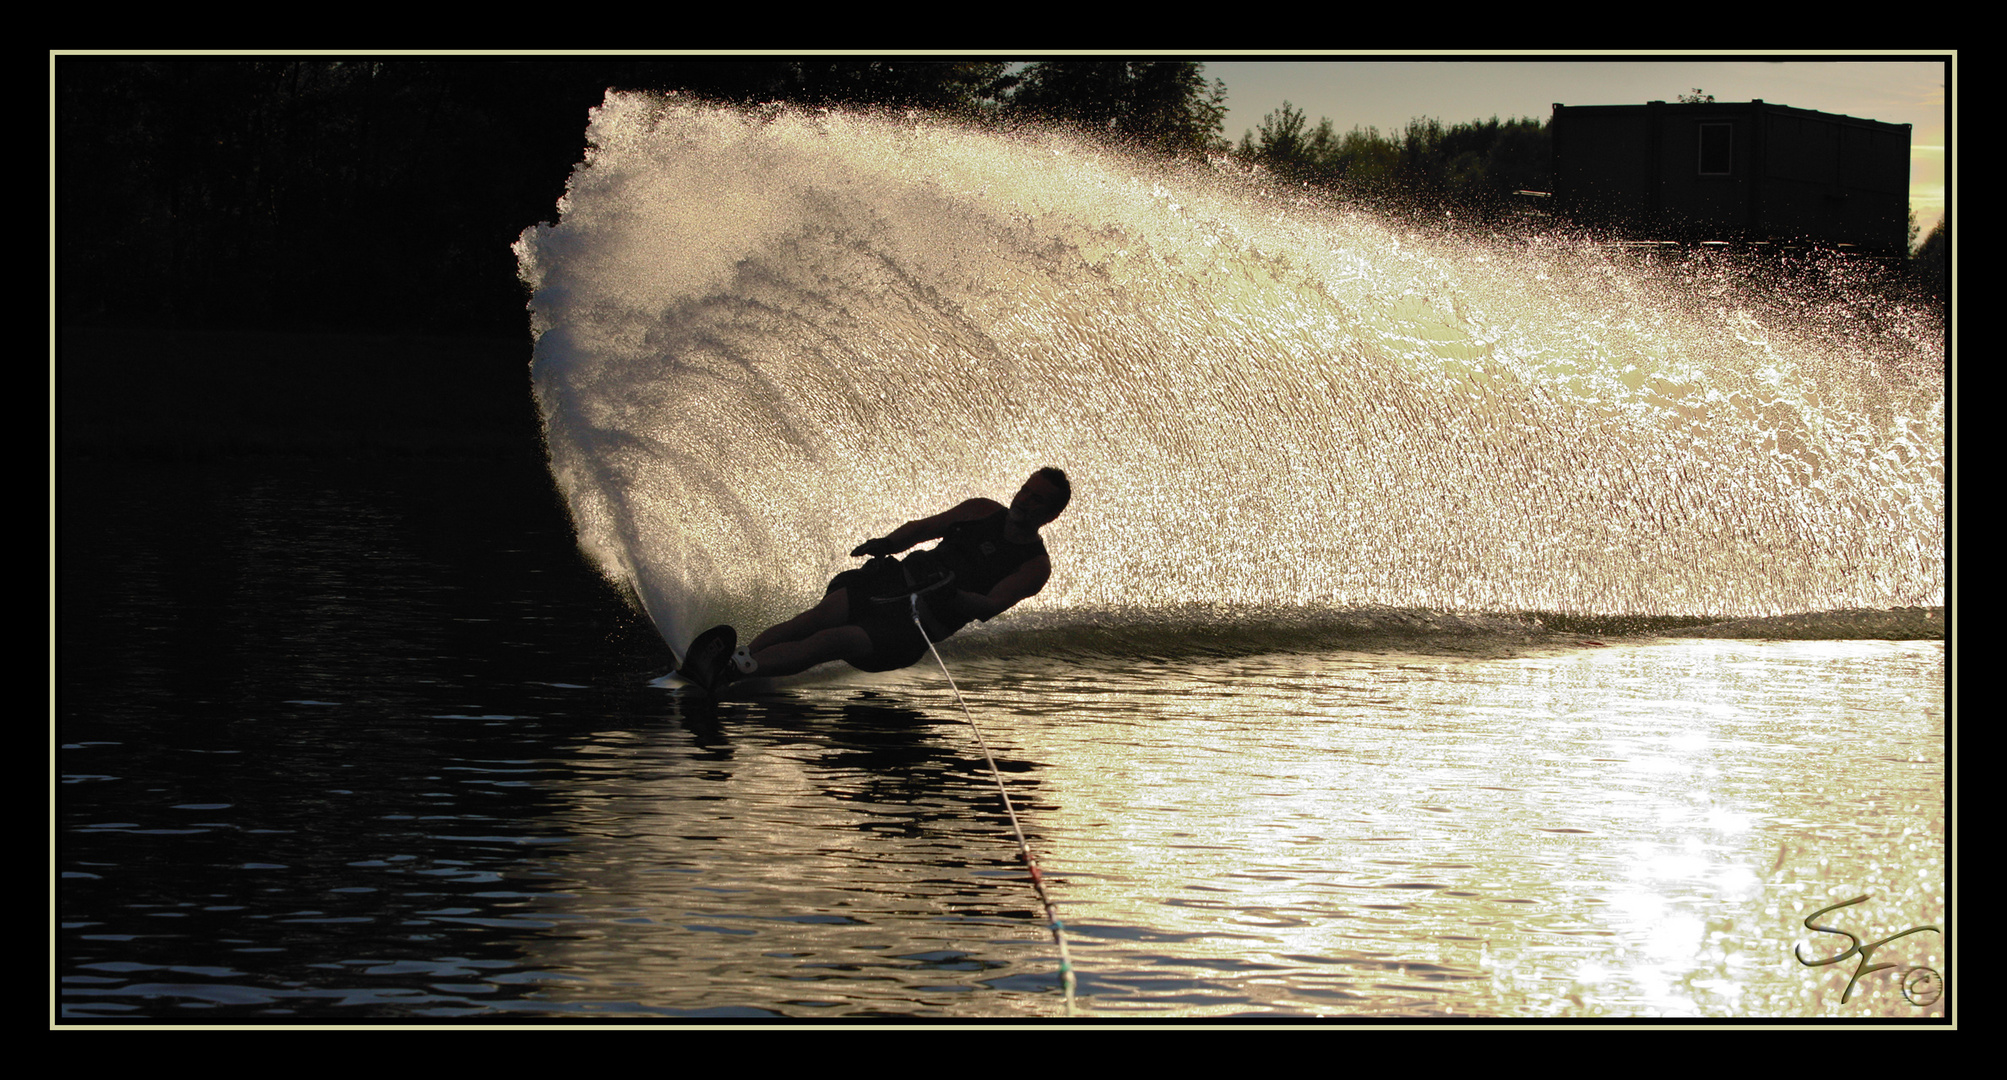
(925, 529)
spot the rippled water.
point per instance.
(342, 744)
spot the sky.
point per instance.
(1387, 93)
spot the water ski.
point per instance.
(705, 661)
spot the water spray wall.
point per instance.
(762, 338)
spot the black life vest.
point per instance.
(976, 553)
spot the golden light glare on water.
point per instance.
(1544, 834)
(1289, 423)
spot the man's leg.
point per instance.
(833, 612)
(819, 635)
(789, 657)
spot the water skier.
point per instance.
(990, 557)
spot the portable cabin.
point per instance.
(1740, 172)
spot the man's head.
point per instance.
(1042, 497)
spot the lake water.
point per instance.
(1288, 731)
(369, 743)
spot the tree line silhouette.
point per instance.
(339, 194)
(1474, 171)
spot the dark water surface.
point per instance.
(366, 742)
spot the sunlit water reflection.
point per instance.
(325, 774)
(1621, 832)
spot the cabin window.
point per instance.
(1716, 149)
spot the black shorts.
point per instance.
(896, 641)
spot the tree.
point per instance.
(1930, 267)
(956, 87)
(1161, 105)
(322, 192)
(1470, 171)
(1281, 146)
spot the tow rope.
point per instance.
(1023, 849)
